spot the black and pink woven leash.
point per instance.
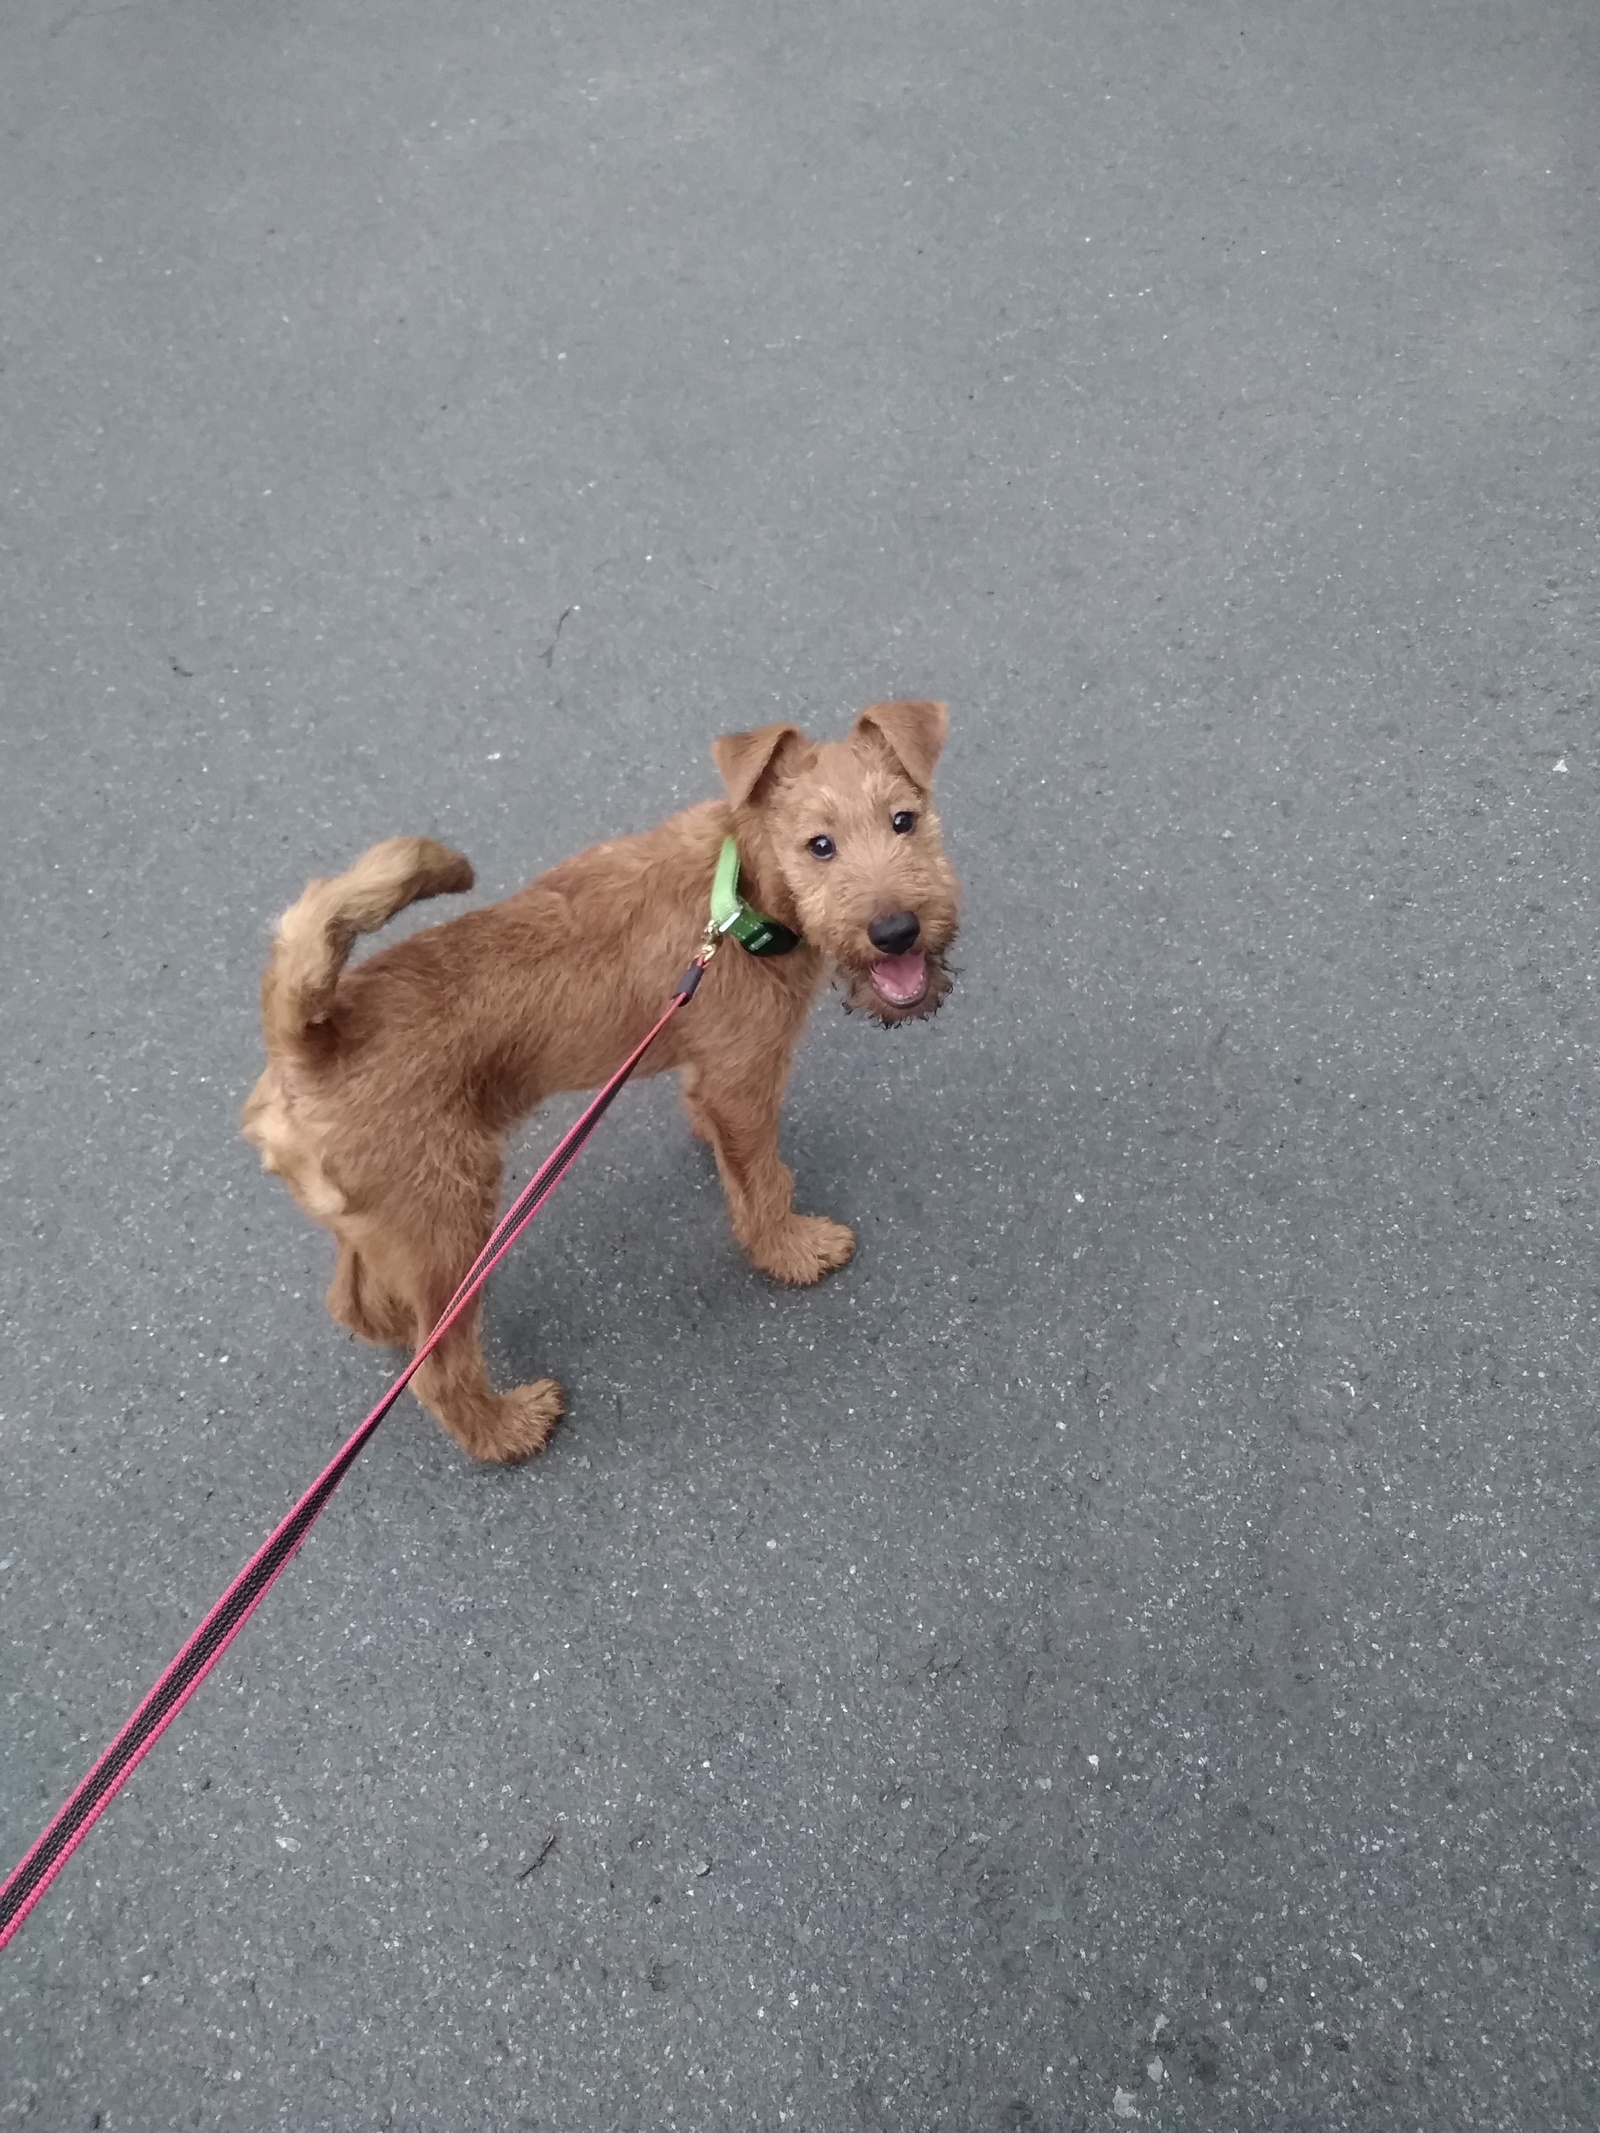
(77, 1815)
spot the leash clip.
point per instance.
(710, 942)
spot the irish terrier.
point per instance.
(390, 1088)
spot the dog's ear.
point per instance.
(914, 733)
(745, 758)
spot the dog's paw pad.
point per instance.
(807, 1248)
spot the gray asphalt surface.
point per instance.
(1126, 1649)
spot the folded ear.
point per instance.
(745, 758)
(912, 732)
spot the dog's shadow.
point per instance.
(631, 1284)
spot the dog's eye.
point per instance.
(903, 823)
(822, 848)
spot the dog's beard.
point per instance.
(862, 996)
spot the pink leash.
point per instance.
(73, 1821)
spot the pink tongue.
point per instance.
(901, 977)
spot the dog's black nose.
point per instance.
(896, 933)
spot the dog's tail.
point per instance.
(317, 932)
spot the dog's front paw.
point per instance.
(806, 1248)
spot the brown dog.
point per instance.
(390, 1088)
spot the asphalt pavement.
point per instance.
(1124, 1650)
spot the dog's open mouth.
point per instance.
(901, 980)
(898, 988)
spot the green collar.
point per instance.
(731, 914)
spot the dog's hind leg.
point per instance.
(358, 1300)
(453, 1383)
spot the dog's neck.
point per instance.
(761, 881)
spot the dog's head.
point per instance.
(839, 839)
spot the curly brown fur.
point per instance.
(390, 1088)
